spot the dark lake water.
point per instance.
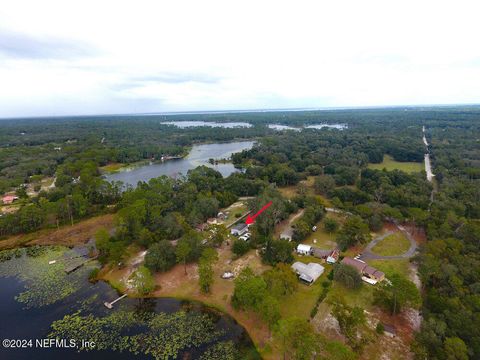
(20, 320)
(199, 155)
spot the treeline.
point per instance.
(79, 192)
(166, 209)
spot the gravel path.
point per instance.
(369, 255)
(287, 233)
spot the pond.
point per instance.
(199, 155)
(68, 306)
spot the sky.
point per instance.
(111, 57)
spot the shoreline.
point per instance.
(240, 317)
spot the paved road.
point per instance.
(368, 254)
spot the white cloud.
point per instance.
(81, 57)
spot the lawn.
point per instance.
(389, 164)
(66, 235)
(321, 238)
(389, 267)
(112, 167)
(292, 191)
(236, 209)
(302, 301)
(395, 244)
(362, 297)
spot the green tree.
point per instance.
(278, 251)
(182, 252)
(218, 234)
(269, 310)
(324, 184)
(298, 339)
(205, 269)
(249, 290)
(401, 292)
(350, 319)
(330, 225)
(160, 256)
(455, 349)
(348, 276)
(240, 247)
(143, 281)
(353, 232)
(280, 280)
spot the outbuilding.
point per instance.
(303, 249)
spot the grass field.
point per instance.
(321, 238)
(389, 164)
(389, 267)
(112, 167)
(66, 235)
(395, 244)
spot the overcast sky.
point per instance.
(98, 57)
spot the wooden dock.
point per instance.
(77, 265)
(110, 304)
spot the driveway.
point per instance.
(369, 255)
(287, 232)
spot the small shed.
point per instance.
(390, 330)
(303, 249)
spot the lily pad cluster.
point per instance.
(161, 335)
(45, 283)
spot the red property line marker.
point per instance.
(251, 219)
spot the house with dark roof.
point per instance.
(239, 229)
(330, 256)
(369, 273)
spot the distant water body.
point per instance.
(230, 125)
(316, 126)
(187, 124)
(199, 155)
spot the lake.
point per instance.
(38, 298)
(283, 127)
(327, 126)
(199, 155)
(316, 126)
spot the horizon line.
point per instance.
(239, 111)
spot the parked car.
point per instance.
(227, 275)
(245, 237)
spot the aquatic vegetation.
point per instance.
(163, 336)
(221, 351)
(44, 283)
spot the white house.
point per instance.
(304, 249)
(308, 273)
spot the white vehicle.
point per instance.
(245, 237)
(314, 228)
(227, 275)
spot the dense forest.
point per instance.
(72, 150)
